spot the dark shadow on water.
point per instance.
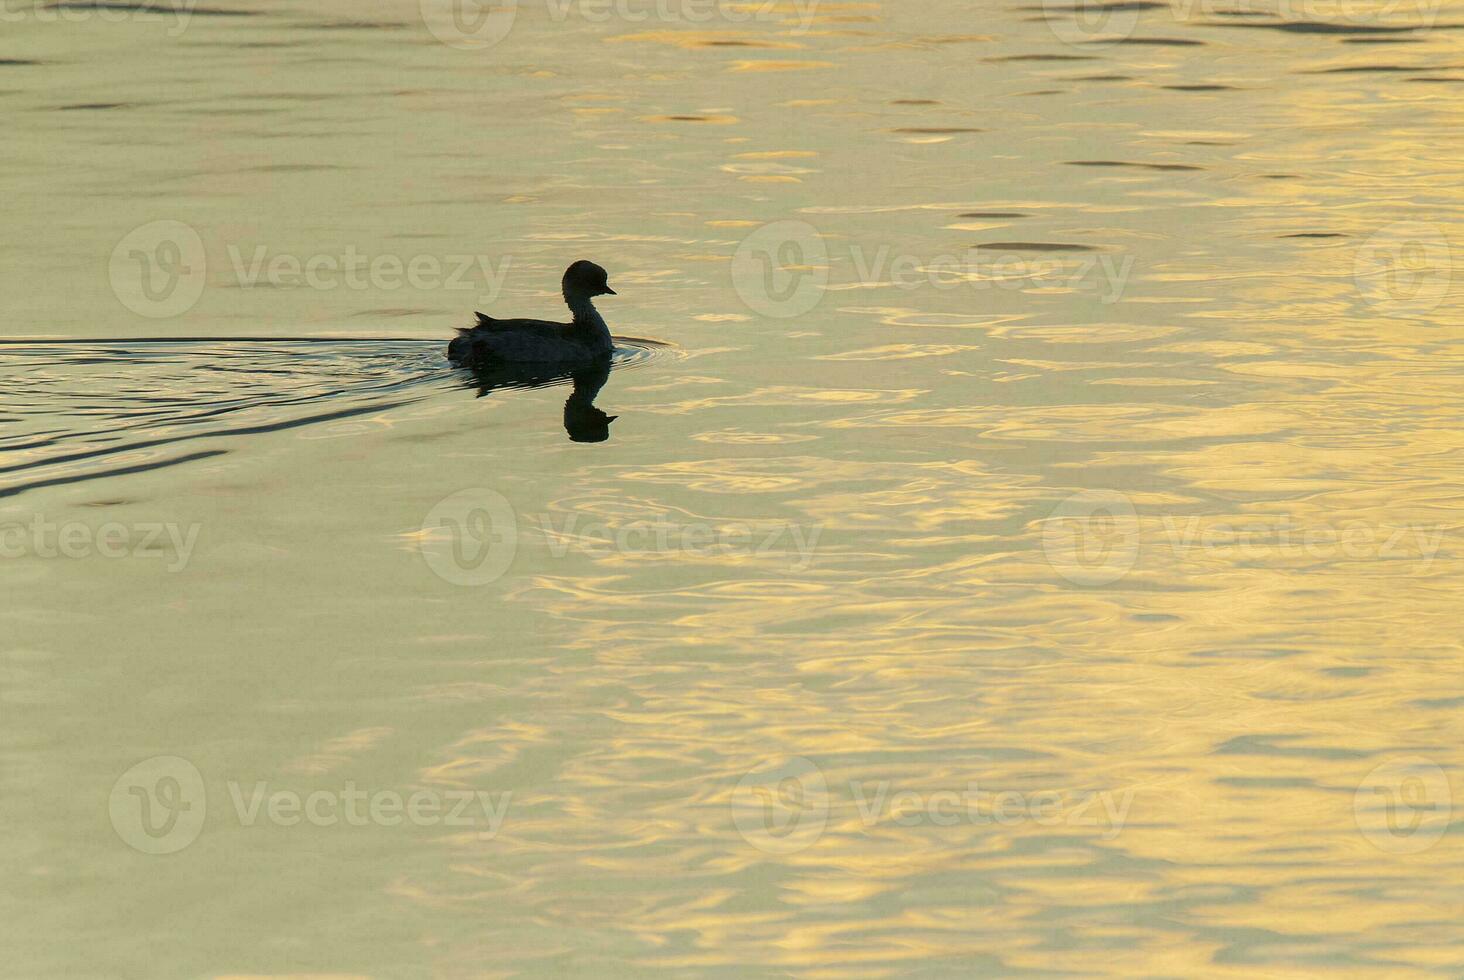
(582, 420)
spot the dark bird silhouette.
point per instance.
(582, 419)
(584, 338)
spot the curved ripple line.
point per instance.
(72, 403)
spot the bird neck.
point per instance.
(587, 318)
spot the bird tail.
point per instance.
(459, 349)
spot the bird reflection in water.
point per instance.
(582, 420)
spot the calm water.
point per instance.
(1028, 542)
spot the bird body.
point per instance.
(586, 337)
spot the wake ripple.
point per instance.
(72, 411)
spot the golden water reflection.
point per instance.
(1089, 609)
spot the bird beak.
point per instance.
(611, 291)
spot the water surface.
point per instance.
(1047, 562)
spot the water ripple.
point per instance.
(72, 405)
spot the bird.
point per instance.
(492, 341)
